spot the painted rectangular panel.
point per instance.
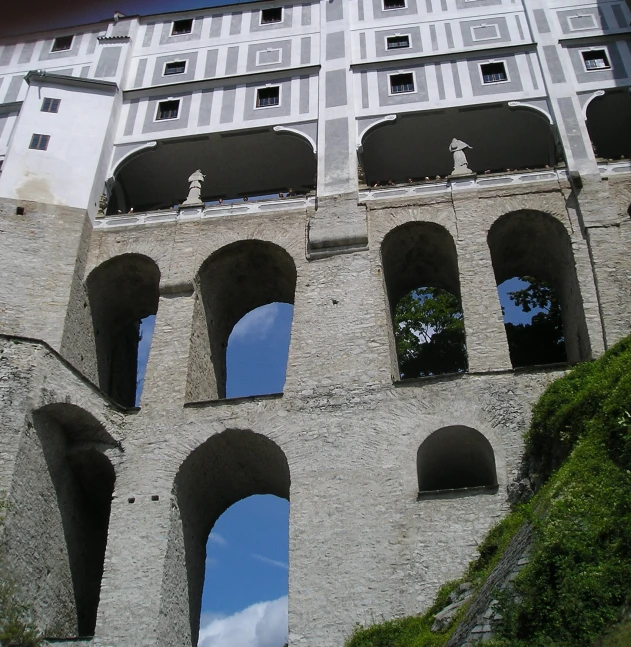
(334, 10)
(486, 30)
(205, 108)
(363, 78)
(3, 122)
(335, 45)
(269, 55)
(152, 126)
(130, 123)
(121, 28)
(473, 4)
(360, 10)
(305, 50)
(13, 91)
(228, 99)
(456, 77)
(232, 60)
(336, 151)
(432, 33)
(196, 33)
(479, 88)
(306, 15)
(304, 100)
(211, 63)
(378, 11)
(362, 45)
(572, 128)
(92, 43)
(47, 55)
(140, 73)
(7, 54)
(235, 24)
(251, 112)
(519, 27)
(255, 21)
(420, 88)
(443, 5)
(215, 26)
(618, 14)
(440, 82)
(108, 62)
(553, 61)
(428, 6)
(531, 69)
(146, 42)
(335, 87)
(616, 71)
(159, 78)
(27, 52)
(541, 21)
(581, 19)
(450, 38)
(85, 71)
(414, 33)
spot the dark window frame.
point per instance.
(494, 72)
(174, 67)
(62, 44)
(168, 110)
(268, 97)
(182, 27)
(594, 55)
(39, 142)
(50, 105)
(402, 83)
(396, 42)
(271, 16)
(389, 5)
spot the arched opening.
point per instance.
(122, 292)
(423, 288)
(534, 244)
(232, 282)
(455, 458)
(610, 134)
(227, 468)
(56, 528)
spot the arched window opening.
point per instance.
(246, 581)
(455, 458)
(122, 292)
(229, 467)
(56, 528)
(610, 135)
(147, 326)
(535, 244)
(258, 346)
(234, 281)
(533, 322)
(423, 288)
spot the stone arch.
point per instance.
(535, 243)
(121, 291)
(226, 468)
(58, 517)
(236, 279)
(418, 254)
(453, 458)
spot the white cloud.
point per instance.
(273, 562)
(218, 539)
(263, 624)
(257, 323)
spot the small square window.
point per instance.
(268, 97)
(393, 4)
(397, 42)
(168, 109)
(177, 67)
(402, 83)
(62, 44)
(272, 15)
(596, 59)
(50, 105)
(493, 73)
(39, 142)
(182, 27)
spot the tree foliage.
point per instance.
(429, 333)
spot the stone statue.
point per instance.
(195, 189)
(102, 205)
(461, 166)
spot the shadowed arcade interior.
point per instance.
(416, 145)
(609, 131)
(245, 163)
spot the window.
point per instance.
(401, 83)
(50, 105)
(39, 142)
(182, 27)
(168, 109)
(397, 42)
(269, 16)
(62, 44)
(177, 67)
(393, 4)
(493, 73)
(596, 59)
(268, 97)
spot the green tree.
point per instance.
(429, 333)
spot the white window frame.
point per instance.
(600, 48)
(267, 51)
(582, 15)
(265, 87)
(164, 69)
(384, 8)
(65, 49)
(491, 62)
(398, 73)
(394, 49)
(486, 26)
(182, 33)
(275, 22)
(179, 106)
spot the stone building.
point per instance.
(344, 107)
